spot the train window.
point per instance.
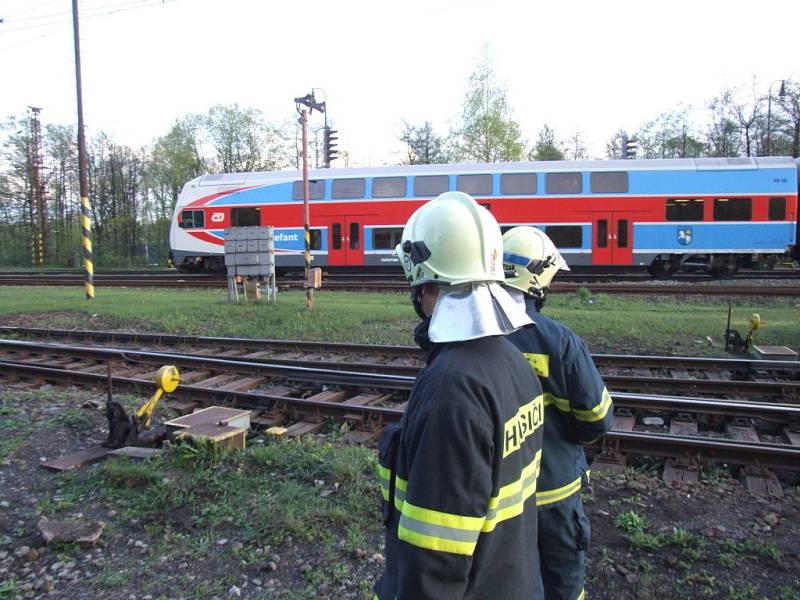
(348, 188)
(777, 209)
(337, 236)
(733, 209)
(316, 239)
(609, 182)
(431, 185)
(685, 209)
(518, 183)
(192, 219)
(245, 217)
(480, 185)
(563, 183)
(355, 236)
(565, 236)
(622, 233)
(316, 189)
(602, 233)
(389, 187)
(386, 238)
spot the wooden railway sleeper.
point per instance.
(610, 459)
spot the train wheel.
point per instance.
(662, 269)
(725, 269)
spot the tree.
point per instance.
(546, 147)
(423, 146)
(244, 141)
(174, 159)
(670, 135)
(790, 105)
(615, 147)
(723, 137)
(575, 147)
(746, 114)
(487, 132)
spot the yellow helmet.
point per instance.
(531, 260)
(451, 240)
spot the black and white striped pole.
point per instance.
(308, 104)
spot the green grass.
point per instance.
(309, 489)
(605, 321)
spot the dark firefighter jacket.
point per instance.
(459, 478)
(578, 408)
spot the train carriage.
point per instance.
(664, 215)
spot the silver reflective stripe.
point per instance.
(439, 531)
(517, 498)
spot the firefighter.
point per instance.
(578, 410)
(459, 474)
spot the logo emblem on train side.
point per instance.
(217, 217)
(685, 236)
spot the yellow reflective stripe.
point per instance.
(540, 363)
(510, 499)
(582, 595)
(550, 496)
(590, 415)
(442, 519)
(385, 476)
(561, 404)
(457, 534)
(441, 531)
(597, 413)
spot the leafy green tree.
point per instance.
(547, 147)
(488, 133)
(243, 141)
(174, 159)
(670, 135)
(423, 146)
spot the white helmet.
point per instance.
(451, 240)
(531, 260)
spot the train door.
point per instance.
(613, 238)
(345, 241)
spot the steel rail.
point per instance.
(785, 389)
(324, 376)
(399, 286)
(776, 456)
(410, 352)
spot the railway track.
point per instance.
(677, 428)
(726, 378)
(694, 287)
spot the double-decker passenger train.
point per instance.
(715, 214)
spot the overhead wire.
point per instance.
(88, 15)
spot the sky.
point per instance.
(578, 66)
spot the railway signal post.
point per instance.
(308, 104)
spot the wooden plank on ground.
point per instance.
(329, 396)
(743, 433)
(243, 385)
(136, 452)
(77, 459)
(304, 428)
(182, 407)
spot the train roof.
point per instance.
(680, 164)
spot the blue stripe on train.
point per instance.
(688, 237)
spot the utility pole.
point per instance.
(38, 202)
(86, 226)
(305, 105)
